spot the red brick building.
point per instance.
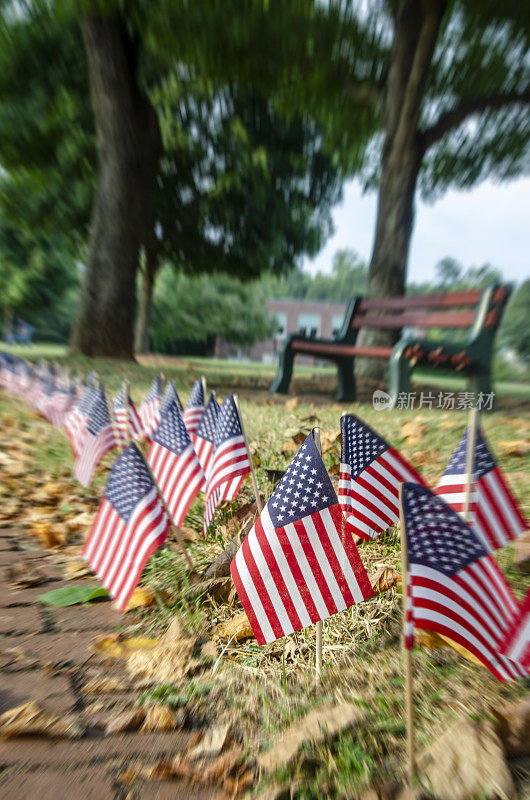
(312, 317)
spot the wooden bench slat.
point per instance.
(436, 319)
(452, 300)
(340, 349)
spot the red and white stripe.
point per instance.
(192, 418)
(475, 608)
(128, 424)
(150, 415)
(204, 450)
(516, 646)
(93, 450)
(228, 467)
(118, 552)
(291, 577)
(75, 429)
(180, 477)
(371, 502)
(494, 513)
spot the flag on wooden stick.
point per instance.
(99, 438)
(516, 646)
(229, 462)
(205, 433)
(370, 473)
(149, 410)
(130, 524)
(175, 464)
(128, 423)
(455, 587)
(195, 408)
(170, 396)
(298, 564)
(493, 511)
(76, 421)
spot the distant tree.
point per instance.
(348, 277)
(448, 271)
(198, 309)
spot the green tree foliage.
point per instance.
(348, 277)
(197, 309)
(515, 331)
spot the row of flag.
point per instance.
(299, 564)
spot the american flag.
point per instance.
(76, 421)
(130, 524)
(205, 433)
(195, 408)
(455, 587)
(149, 411)
(494, 511)
(229, 463)
(299, 564)
(128, 423)
(516, 646)
(170, 396)
(370, 473)
(175, 464)
(99, 439)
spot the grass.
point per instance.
(263, 689)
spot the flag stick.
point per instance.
(470, 461)
(117, 436)
(166, 509)
(252, 471)
(128, 436)
(409, 700)
(319, 624)
(204, 389)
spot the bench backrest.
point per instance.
(480, 308)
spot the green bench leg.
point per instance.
(400, 372)
(346, 379)
(280, 384)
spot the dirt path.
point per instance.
(46, 655)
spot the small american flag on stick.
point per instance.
(493, 511)
(170, 396)
(205, 433)
(229, 463)
(370, 473)
(298, 564)
(99, 439)
(149, 411)
(455, 587)
(195, 408)
(76, 421)
(130, 524)
(128, 423)
(175, 464)
(516, 646)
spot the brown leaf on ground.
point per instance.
(171, 659)
(384, 579)
(80, 522)
(105, 684)
(77, 569)
(50, 535)
(433, 640)
(32, 719)
(323, 722)
(189, 534)
(211, 744)
(24, 575)
(291, 404)
(518, 447)
(119, 646)
(142, 597)
(413, 431)
(129, 720)
(329, 439)
(234, 629)
(160, 718)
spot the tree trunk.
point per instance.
(416, 31)
(143, 322)
(128, 150)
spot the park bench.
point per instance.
(478, 312)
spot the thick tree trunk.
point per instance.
(143, 322)
(128, 151)
(417, 29)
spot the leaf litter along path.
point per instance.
(47, 656)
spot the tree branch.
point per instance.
(452, 119)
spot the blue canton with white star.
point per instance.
(99, 417)
(172, 433)
(360, 445)
(437, 536)
(129, 482)
(228, 423)
(484, 462)
(119, 400)
(208, 423)
(170, 396)
(197, 396)
(304, 489)
(89, 398)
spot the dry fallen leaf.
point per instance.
(50, 535)
(77, 569)
(289, 447)
(433, 640)
(518, 447)
(24, 575)
(171, 659)
(118, 646)
(105, 684)
(291, 404)
(159, 718)
(384, 579)
(211, 743)
(129, 720)
(32, 719)
(235, 629)
(413, 431)
(142, 597)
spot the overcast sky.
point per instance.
(489, 224)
